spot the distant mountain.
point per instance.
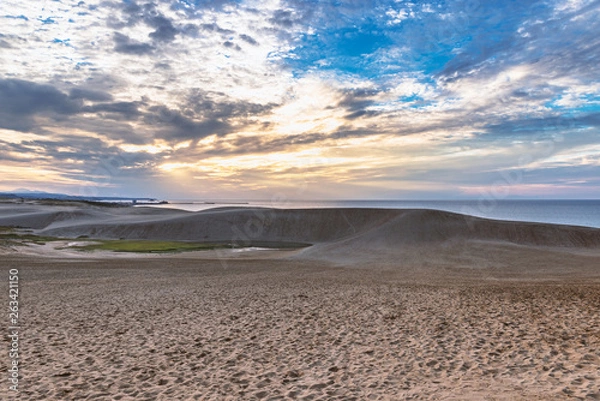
(22, 193)
(25, 190)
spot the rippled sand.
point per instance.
(184, 329)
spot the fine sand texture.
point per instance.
(379, 305)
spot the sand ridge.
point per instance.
(349, 228)
(383, 305)
(378, 238)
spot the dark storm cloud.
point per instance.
(123, 44)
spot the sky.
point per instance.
(307, 99)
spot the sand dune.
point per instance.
(383, 305)
(422, 238)
(380, 237)
(376, 228)
(41, 217)
(416, 241)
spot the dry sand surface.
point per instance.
(385, 305)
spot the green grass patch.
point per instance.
(148, 246)
(13, 236)
(9, 234)
(152, 246)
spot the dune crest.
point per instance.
(378, 228)
(411, 238)
(381, 227)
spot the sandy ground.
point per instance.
(179, 329)
(429, 316)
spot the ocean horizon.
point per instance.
(585, 212)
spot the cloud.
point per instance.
(357, 101)
(23, 103)
(165, 31)
(125, 45)
(248, 39)
(401, 91)
(559, 44)
(172, 125)
(202, 114)
(85, 165)
(128, 110)
(89, 94)
(217, 105)
(544, 126)
(21, 100)
(284, 18)
(230, 45)
(214, 27)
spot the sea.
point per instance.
(570, 212)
